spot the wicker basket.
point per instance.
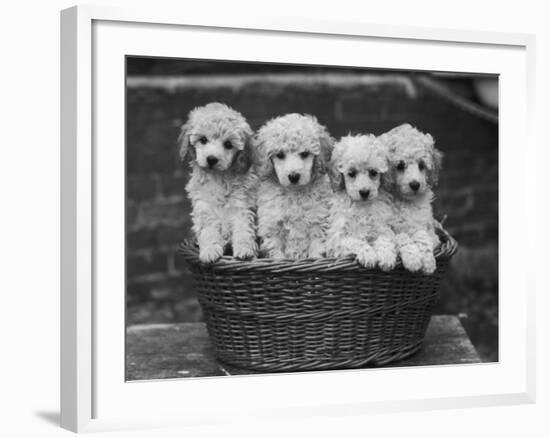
(314, 314)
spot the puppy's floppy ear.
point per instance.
(243, 158)
(337, 181)
(436, 159)
(433, 175)
(387, 180)
(261, 158)
(184, 140)
(326, 143)
(386, 141)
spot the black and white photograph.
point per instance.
(232, 219)
(285, 218)
(299, 219)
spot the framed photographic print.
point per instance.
(253, 208)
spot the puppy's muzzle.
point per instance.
(294, 177)
(414, 185)
(211, 160)
(364, 194)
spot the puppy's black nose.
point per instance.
(211, 160)
(364, 193)
(414, 185)
(294, 177)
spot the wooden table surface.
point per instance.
(164, 351)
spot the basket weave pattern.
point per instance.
(314, 314)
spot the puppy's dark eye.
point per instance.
(227, 144)
(400, 166)
(352, 173)
(304, 154)
(203, 140)
(280, 155)
(373, 173)
(421, 165)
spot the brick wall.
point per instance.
(159, 288)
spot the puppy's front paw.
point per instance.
(429, 264)
(210, 253)
(411, 260)
(367, 258)
(245, 252)
(386, 260)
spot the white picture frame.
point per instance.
(92, 393)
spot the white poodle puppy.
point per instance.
(360, 211)
(414, 169)
(294, 192)
(220, 189)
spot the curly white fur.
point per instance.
(292, 200)
(220, 188)
(360, 211)
(414, 168)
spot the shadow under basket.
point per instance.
(314, 314)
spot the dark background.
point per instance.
(160, 93)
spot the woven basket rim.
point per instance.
(189, 251)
